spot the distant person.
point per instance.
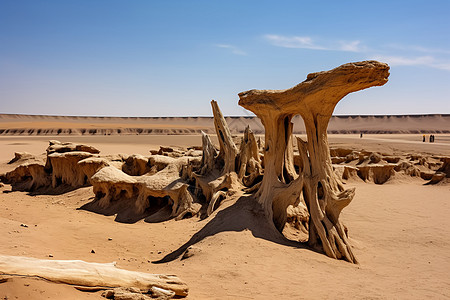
(424, 138)
(360, 136)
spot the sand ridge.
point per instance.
(15, 124)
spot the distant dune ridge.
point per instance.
(17, 124)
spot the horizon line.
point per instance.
(228, 116)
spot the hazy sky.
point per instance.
(170, 58)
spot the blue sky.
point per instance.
(170, 58)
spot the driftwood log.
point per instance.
(314, 100)
(81, 273)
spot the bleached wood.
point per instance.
(314, 100)
(81, 273)
(228, 150)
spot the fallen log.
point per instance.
(81, 273)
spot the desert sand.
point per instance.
(399, 231)
(220, 231)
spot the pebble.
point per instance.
(109, 294)
(109, 239)
(50, 255)
(92, 251)
(24, 225)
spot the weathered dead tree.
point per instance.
(228, 171)
(216, 175)
(168, 182)
(314, 100)
(249, 168)
(228, 150)
(28, 176)
(111, 184)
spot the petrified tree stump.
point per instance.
(314, 100)
(228, 150)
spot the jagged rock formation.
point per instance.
(57, 146)
(171, 178)
(27, 176)
(379, 168)
(21, 157)
(445, 168)
(29, 173)
(136, 165)
(162, 187)
(91, 165)
(65, 169)
(60, 168)
(314, 100)
(170, 183)
(110, 184)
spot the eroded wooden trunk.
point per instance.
(314, 100)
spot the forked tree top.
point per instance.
(319, 93)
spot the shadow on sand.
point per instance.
(47, 190)
(124, 209)
(245, 213)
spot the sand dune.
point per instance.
(14, 124)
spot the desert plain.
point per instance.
(399, 229)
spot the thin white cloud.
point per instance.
(233, 49)
(405, 61)
(303, 42)
(416, 48)
(393, 54)
(428, 61)
(352, 46)
(306, 42)
(442, 66)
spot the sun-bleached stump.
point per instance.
(61, 168)
(28, 176)
(59, 147)
(208, 156)
(228, 150)
(65, 168)
(216, 178)
(136, 165)
(85, 274)
(210, 179)
(92, 165)
(111, 184)
(249, 163)
(167, 183)
(314, 100)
